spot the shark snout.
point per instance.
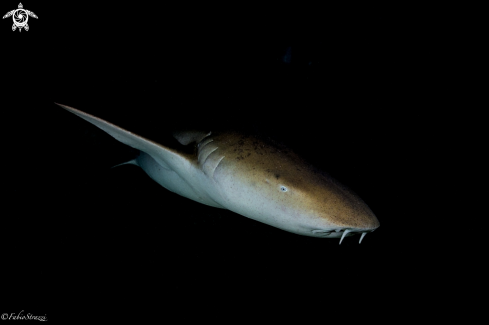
(362, 224)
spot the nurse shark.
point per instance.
(251, 175)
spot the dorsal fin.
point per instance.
(189, 136)
(164, 155)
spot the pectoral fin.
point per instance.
(165, 156)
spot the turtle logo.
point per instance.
(20, 17)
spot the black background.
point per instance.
(358, 98)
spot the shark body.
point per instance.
(251, 175)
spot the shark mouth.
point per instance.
(345, 232)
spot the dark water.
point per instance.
(80, 240)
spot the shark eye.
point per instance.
(283, 188)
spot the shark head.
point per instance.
(266, 181)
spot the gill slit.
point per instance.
(203, 163)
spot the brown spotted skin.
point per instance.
(264, 165)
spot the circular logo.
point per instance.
(20, 17)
